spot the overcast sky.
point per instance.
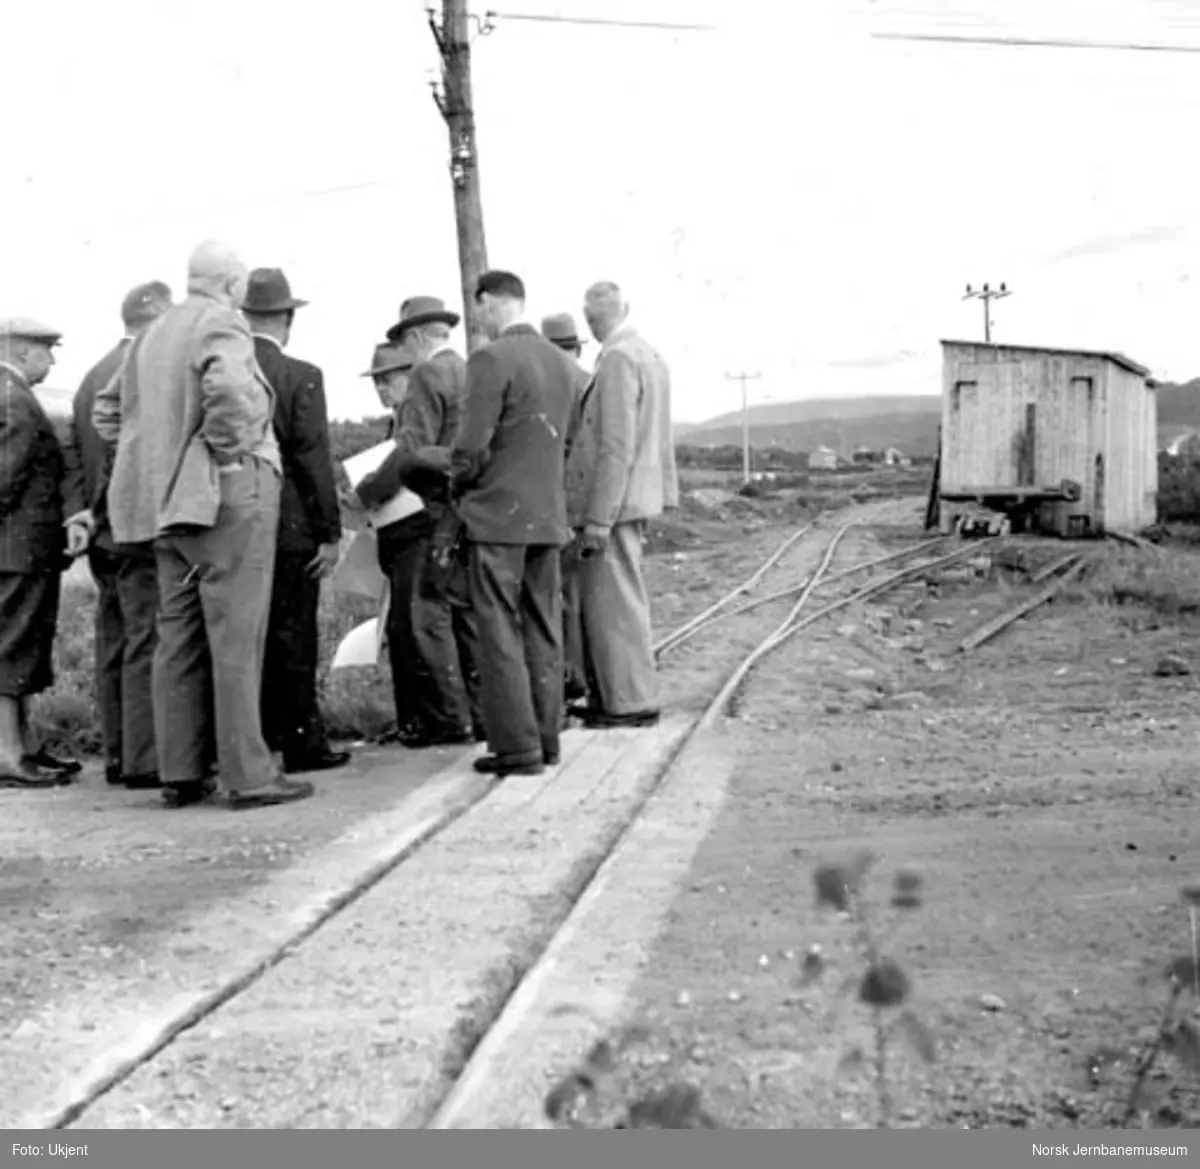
(784, 195)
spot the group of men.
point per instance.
(199, 481)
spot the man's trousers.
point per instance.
(291, 717)
(429, 638)
(516, 596)
(126, 634)
(215, 600)
(615, 615)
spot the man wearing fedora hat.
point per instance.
(310, 530)
(126, 575)
(390, 369)
(559, 329)
(429, 634)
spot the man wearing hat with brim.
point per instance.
(559, 329)
(429, 628)
(390, 369)
(32, 550)
(310, 531)
(126, 576)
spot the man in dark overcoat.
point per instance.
(126, 577)
(32, 550)
(310, 531)
(429, 630)
(508, 467)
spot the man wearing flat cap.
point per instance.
(310, 531)
(32, 550)
(126, 576)
(560, 330)
(197, 471)
(429, 629)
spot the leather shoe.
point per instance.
(284, 791)
(112, 775)
(27, 776)
(601, 721)
(328, 760)
(420, 739)
(500, 766)
(44, 757)
(183, 795)
(142, 783)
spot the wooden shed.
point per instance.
(1066, 438)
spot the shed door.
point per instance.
(986, 427)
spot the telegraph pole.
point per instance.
(744, 378)
(454, 101)
(987, 295)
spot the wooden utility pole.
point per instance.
(987, 295)
(744, 378)
(454, 100)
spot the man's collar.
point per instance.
(518, 327)
(267, 337)
(623, 330)
(16, 373)
(445, 347)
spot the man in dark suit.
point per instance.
(508, 468)
(126, 577)
(429, 628)
(32, 550)
(310, 531)
(560, 330)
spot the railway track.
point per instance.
(464, 1042)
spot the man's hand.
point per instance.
(81, 527)
(593, 541)
(325, 561)
(434, 458)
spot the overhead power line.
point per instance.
(1034, 42)
(491, 16)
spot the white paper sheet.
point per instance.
(365, 643)
(401, 505)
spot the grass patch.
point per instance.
(1166, 580)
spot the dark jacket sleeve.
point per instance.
(18, 441)
(312, 461)
(74, 486)
(487, 387)
(418, 424)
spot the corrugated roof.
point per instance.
(1108, 355)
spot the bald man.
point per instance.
(197, 470)
(126, 576)
(620, 475)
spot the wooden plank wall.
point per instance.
(1085, 406)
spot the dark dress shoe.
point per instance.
(500, 765)
(326, 761)
(551, 758)
(601, 721)
(285, 791)
(112, 775)
(184, 795)
(27, 776)
(44, 757)
(142, 783)
(419, 740)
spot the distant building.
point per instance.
(894, 458)
(1185, 445)
(823, 459)
(1073, 432)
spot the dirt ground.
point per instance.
(1042, 787)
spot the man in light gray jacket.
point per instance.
(620, 474)
(197, 471)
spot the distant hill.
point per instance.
(908, 423)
